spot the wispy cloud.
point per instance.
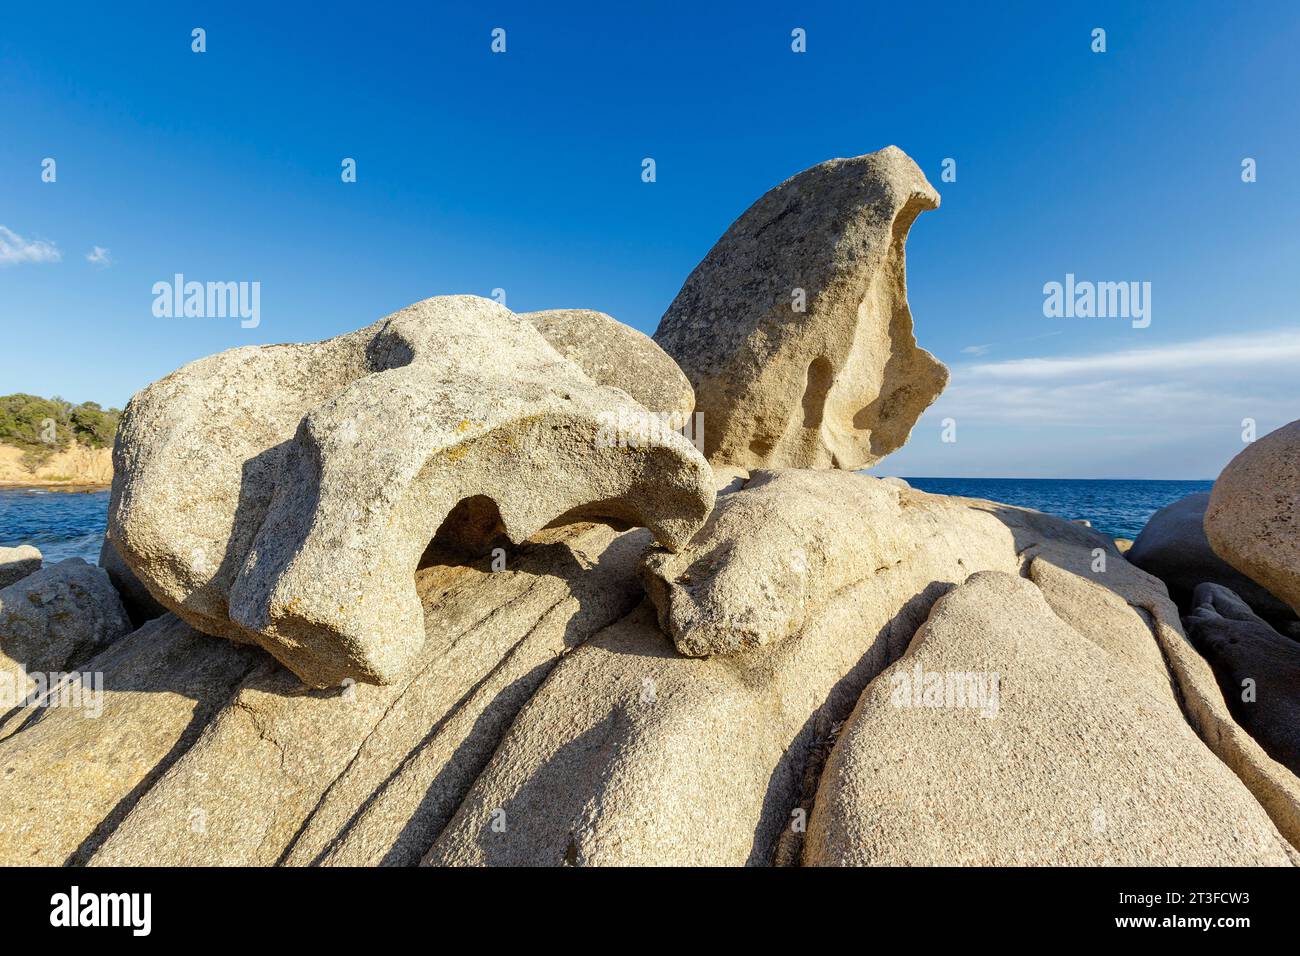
(987, 347)
(14, 249)
(1244, 375)
(1167, 411)
(1223, 352)
(99, 256)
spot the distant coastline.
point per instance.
(73, 468)
(53, 443)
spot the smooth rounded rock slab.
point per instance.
(1004, 737)
(612, 353)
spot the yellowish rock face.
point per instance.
(795, 331)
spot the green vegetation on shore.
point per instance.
(43, 426)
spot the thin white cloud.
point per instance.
(1173, 386)
(1168, 411)
(14, 249)
(1223, 352)
(986, 347)
(99, 256)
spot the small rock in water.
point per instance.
(17, 563)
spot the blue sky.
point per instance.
(521, 171)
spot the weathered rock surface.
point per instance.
(1173, 546)
(610, 748)
(57, 617)
(795, 331)
(1068, 761)
(615, 354)
(1253, 520)
(716, 598)
(1105, 618)
(72, 765)
(437, 761)
(1257, 669)
(728, 478)
(17, 563)
(632, 754)
(139, 603)
(368, 775)
(284, 495)
(1275, 787)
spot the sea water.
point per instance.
(69, 524)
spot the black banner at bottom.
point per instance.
(337, 905)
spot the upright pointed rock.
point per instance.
(795, 331)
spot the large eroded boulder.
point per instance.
(1258, 669)
(1004, 737)
(795, 330)
(631, 753)
(1173, 546)
(547, 719)
(1253, 520)
(284, 495)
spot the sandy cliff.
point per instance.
(76, 465)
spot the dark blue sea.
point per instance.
(1118, 508)
(63, 524)
(70, 524)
